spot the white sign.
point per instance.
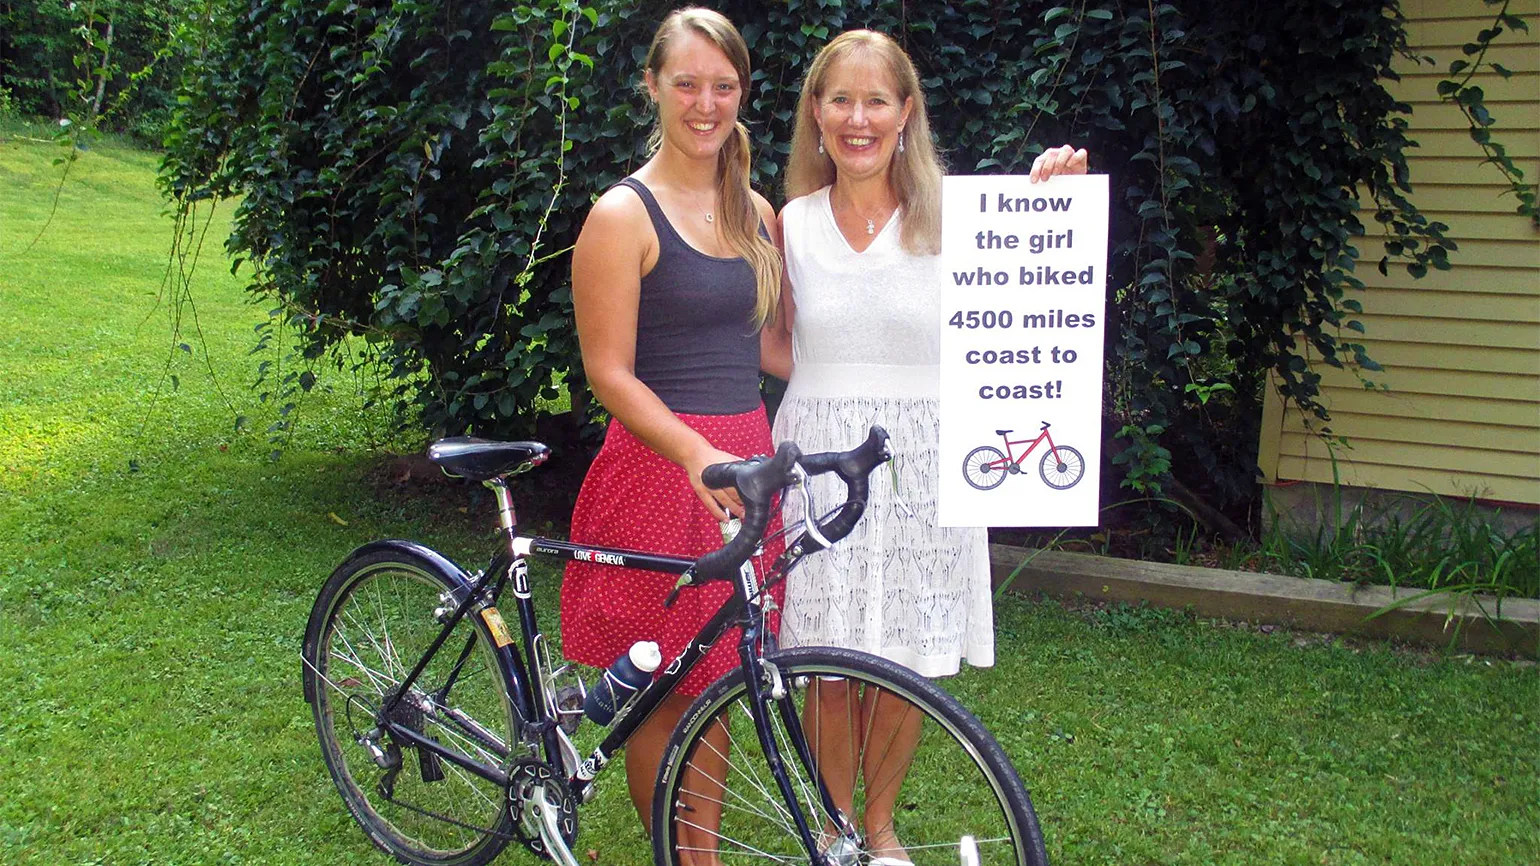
(1023, 315)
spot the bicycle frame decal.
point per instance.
(520, 578)
(615, 556)
(495, 624)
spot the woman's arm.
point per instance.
(607, 263)
(775, 336)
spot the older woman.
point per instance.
(862, 233)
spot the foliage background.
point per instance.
(411, 172)
(55, 53)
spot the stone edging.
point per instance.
(1313, 605)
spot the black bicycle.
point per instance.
(448, 737)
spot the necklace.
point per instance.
(871, 224)
(710, 216)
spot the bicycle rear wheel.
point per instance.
(371, 623)
(855, 713)
(984, 468)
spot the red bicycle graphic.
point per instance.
(985, 467)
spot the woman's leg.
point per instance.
(702, 790)
(832, 724)
(892, 734)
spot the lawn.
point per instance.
(156, 570)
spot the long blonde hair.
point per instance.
(915, 173)
(740, 219)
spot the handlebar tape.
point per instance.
(759, 479)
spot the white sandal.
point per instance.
(889, 861)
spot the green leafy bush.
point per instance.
(411, 169)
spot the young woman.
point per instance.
(862, 234)
(673, 278)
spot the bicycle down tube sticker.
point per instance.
(1022, 316)
(496, 626)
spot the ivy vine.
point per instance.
(1471, 100)
(411, 174)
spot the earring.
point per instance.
(820, 142)
(900, 141)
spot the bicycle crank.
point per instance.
(544, 810)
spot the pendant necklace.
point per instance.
(710, 216)
(871, 224)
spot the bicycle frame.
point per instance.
(744, 609)
(1011, 459)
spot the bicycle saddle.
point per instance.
(1001, 432)
(481, 459)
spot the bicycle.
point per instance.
(406, 654)
(985, 467)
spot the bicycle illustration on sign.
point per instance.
(986, 466)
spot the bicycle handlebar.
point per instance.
(758, 479)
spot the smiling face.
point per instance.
(697, 92)
(860, 113)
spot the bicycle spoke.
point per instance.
(487, 756)
(374, 676)
(749, 810)
(784, 817)
(385, 657)
(466, 779)
(995, 841)
(763, 787)
(732, 841)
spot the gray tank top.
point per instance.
(696, 345)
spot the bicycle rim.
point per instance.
(380, 620)
(1061, 467)
(984, 468)
(856, 712)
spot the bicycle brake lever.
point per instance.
(686, 579)
(809, 523)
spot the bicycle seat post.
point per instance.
(505, 514)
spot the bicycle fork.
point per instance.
(768, 675)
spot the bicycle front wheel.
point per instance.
(984, 467)
(1061, 467)
(912, 773)
(373, 620)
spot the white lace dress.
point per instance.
(865, 349)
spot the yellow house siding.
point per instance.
(1458, 412)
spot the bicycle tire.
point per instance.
(1065, 473)
(959, 784)
(978, 470)
(372, 620)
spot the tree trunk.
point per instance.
(101, 81)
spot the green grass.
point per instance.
(156, 571)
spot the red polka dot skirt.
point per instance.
(633, 498)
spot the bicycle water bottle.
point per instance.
(628, 675)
